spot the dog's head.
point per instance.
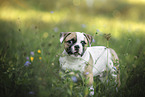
(75, 42)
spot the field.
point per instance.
(30, 47)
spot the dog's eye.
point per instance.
(83, 42)
(70, 42)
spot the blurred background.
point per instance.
(30, 48)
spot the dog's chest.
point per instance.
(99, 55)
(72, 64)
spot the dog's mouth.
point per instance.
(77, 54)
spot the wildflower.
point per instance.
(83, 26)
(32, 53)
(40, 58)
(39, 51)
(31, 58)
(116, 89)
(52, 64)
(134, 66)
(137, 40)
(45, 35)
(51, 11)
(27, 63)
(27, 58)
(107, 36)
(135, 57)
(114, 68)
(91, 91)
(93, 40)
(74, 78)
(31, 92)
(55, 29)
(39, 78)
(7, 70)
(107, 81)
(87, 73)
(98, 30)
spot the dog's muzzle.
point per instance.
(76, 52)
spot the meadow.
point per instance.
(30, 47)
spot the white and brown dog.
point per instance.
(90, 61)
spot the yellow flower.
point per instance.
(45, 35)
(40, 58)
(39, 51)
(31, 58)
(52, 64)
(39, 78)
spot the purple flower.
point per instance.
(27, 63)
(32, 53)
(51, 11)
(55, 29)
(98, 30)
(83, 26)
(31, 92)
(74, 78)
(115, 68)
(137, 41)
(107, 80)
(27, 58)
(87, 73)
(93, 40)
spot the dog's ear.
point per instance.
(89, 38)
(63, 35)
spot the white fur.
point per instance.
(100, 55)
(101, 60)
(80, 37)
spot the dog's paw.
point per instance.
(91, 91)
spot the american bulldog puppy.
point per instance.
(90, 61)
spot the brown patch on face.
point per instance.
(89, 38)
(71, 36)
(68, 38)
(86, 45)
(86, 41)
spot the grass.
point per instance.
(25, 29)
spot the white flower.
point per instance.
(55, 29)
(83, 26)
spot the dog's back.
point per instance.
(101, 59)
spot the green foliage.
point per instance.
(30, 48)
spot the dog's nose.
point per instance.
(77, 47)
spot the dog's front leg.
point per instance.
(88, 73)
